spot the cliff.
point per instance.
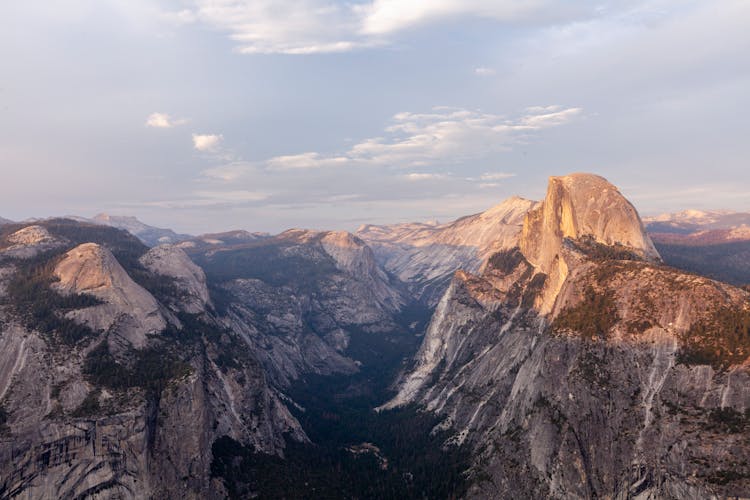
(576, 366)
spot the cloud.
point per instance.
(552, 116)
(495, 176)
(444, 136)
(283, 26)
(163, 120)
(482, 71)
(388, 16)
(303, 161)
(322, 26)
(206, 142)
(424, 176)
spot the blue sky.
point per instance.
(207, 115)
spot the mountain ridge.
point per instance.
(563, 359)
(425, 255)
(574, 385)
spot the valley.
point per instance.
(538, 349)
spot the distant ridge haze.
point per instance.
(696, 226)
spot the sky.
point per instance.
(210, 115)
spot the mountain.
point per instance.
(563, 359)
(20, 242)
(692, 221)
(300, 297)
(151, 236)
(718, 258)
(425, 256)
(132, 372)
(172, 262)
(229, 238)
(576, 365)
(715, 243)
(5, 221)
(116, 376)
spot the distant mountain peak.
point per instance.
(691, 221)
(425, 255)
(150, 235)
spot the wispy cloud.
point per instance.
(163, 120)
(423, 176)
(495, 176)
(207, 142)
(282, 26)
(389, 16)
(323, 26)
(304, 161)
(482, 71)
(443, 136)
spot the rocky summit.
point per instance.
(534, 350)
(577, 366)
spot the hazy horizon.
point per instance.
(205, 116)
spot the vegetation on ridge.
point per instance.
(722, 339)
(42, 308)
(593, 317)
(599, 251)
(150, 369)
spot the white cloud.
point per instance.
(163, 120)
(553, 117)
(444, 136)
(482, 71)
(206, 142)
(283, 26)
(495, 176)
(325, 26)
(388, 16)
(303, 160)
(424, 176)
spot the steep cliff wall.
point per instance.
(107, 393)
(577, 366)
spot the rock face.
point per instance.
(30, 235)
(577, 207)
(425, 256)
(354, 257)
(173, 262)
(131, 407)
(28, 242)
(622, 379)
(300, 296)
(128, 309)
